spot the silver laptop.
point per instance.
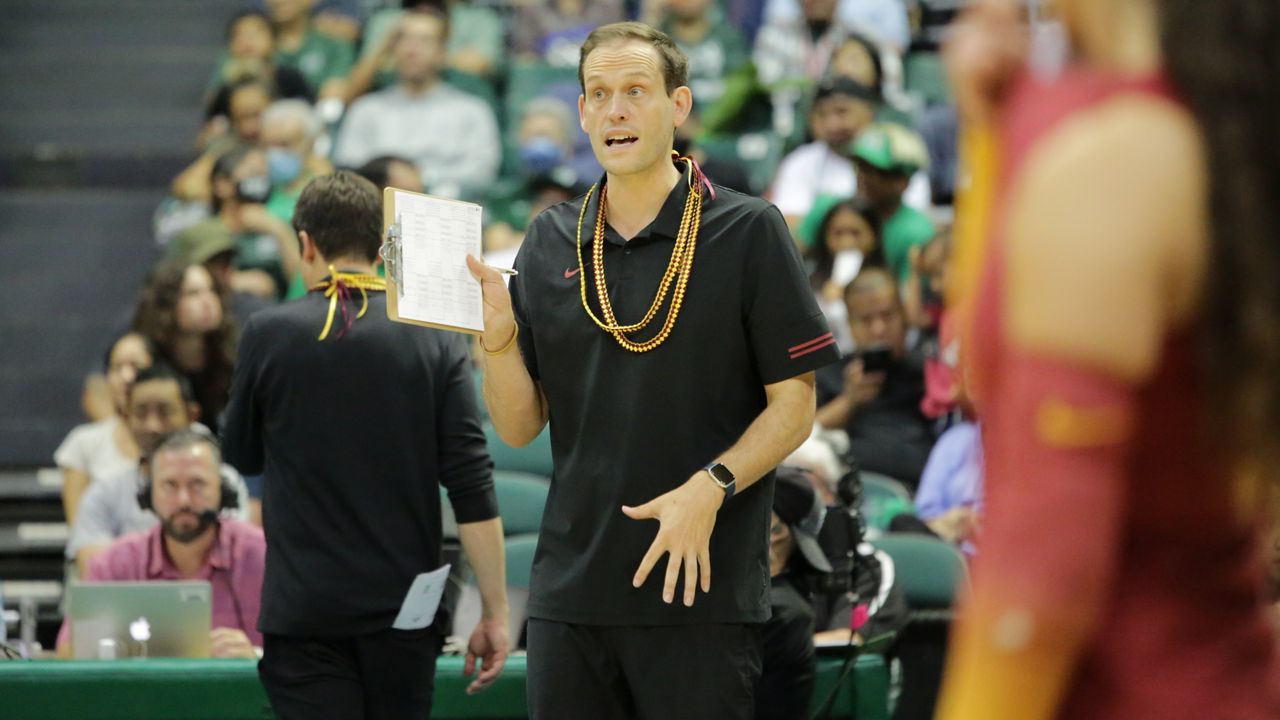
(140, 619)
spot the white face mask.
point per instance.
(845, 267)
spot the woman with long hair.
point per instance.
(848, 239)
(182, 311)
(1120, 259)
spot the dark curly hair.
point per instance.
(156, 319)
(820, 258)
(1222, 57)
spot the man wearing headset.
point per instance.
(192, 543)
(160, 400)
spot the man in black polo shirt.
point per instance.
(354, 433)
(668, 409)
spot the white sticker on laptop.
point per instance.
(422, 600)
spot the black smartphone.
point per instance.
(875, 359)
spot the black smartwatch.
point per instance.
(722, 477)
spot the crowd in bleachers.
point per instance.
(833, 110)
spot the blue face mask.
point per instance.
(540, 155)
(283, 165)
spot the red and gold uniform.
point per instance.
(1120, 574)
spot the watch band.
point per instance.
(723, 477)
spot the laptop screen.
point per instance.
(140, 619)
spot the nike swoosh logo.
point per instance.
(568, 274)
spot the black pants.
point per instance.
(388, 675)
(646, 673)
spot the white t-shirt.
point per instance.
(91, 449)
(815, 169)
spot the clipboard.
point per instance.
(401, 236)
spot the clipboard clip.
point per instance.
(392, 254)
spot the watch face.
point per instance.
(721, 475)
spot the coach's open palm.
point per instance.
(686, 516)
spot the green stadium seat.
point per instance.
(520, 559)
(929, 571)
(533, 458)
(882, 498)
(521, 499)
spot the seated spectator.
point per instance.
(552, 31)
(475, 45)
(841, 109)
(549, 139)
(450, 135)
(884, 20)
(879, 408)
(792, 53)
(216, 251)
(247, 101)
(715, 48)
(392, 171)
(105, 447)
(250, 55)
(191, 542)
(789, 660)
(886, 198)
(180, 310)
(267, 254)
(858, 58)
(939, 339)
(289, 132)
(323, 60)
(950, 497)
(160, 402)
(849, 240)
(886, 157)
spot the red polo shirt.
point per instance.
(233, 568)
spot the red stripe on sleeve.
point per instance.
(814, 341)
(814, 348)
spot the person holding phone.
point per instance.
(874, 392)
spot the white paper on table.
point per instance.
(436, 235)
(422, 600)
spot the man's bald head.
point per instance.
(875, 311)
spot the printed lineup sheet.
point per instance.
(434, 286)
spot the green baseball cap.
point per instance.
(891, 148)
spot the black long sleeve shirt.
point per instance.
(353, 435)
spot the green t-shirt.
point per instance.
(907, 228)
(319, 58)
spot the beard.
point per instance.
(187, 533)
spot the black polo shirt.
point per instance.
(354, 435)
(627, 427)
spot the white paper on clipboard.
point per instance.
(432, 283)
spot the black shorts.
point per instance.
(669, 672)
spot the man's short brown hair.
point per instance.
(675, 64)
(342, 213)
